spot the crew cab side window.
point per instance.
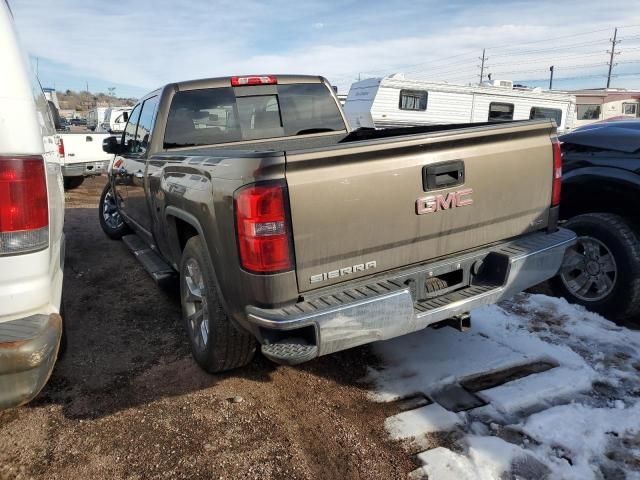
(129, 135)
(145, 124)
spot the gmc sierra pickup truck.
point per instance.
(289, 230)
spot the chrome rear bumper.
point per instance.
(383, 308)
(84, 169)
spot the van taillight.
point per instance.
(24, 207)
(263, 228)
(60, 148)
(556, 190)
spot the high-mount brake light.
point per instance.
(263, 228)
(253, 80)
(24, 207)
(556, 190)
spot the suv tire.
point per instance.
(602, 272)
(216, 344)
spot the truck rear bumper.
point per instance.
(84, 169)
(389, 306)
(28, 351)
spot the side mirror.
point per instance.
(111, 145)
(125, 117)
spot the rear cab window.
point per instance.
(219, 115)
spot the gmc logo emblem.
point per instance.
(435, 203)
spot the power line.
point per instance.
(552, 49)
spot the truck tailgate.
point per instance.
(354, 206)
(84, 147)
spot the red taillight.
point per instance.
(254, 80)
(263, 230)
(24, 207)
(556, 190)
(60, 148)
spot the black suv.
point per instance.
(600, 195)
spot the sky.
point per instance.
(139, 45)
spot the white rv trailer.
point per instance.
(394, 102)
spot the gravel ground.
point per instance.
(127, 400)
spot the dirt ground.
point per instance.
(127, 400)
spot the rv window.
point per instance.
(630, 109)
(588, 112)
(500, 112)
(550, 113)
(413, 100)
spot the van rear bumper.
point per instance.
(28, 351)
(387, 307)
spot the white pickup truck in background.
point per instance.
(81, 156)
(80, 153)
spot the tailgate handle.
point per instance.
(443, 175)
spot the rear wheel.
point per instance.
(72, 182)
(216, 344)
(602, 271)
(111, 220)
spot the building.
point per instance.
(597, 104)
(50, 95)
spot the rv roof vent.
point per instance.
(503, 83)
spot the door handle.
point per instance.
(443, 175)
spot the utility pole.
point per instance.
(551, 77)
(613, 52)
(482, 59)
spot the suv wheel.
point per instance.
(111, 221)
(602, 271)
(216, 344)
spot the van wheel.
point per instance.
(216, 344)
(602, 271)
(72, 182)
(111, 221)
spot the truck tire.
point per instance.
(216, 344)
(602, 272)
(111, 221)
(71, 183)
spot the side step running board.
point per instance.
(159, 270)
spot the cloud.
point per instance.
(149, 43)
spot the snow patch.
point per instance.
(428, 419)
(539, 389)
(587, 424)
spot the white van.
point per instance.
(31, 219)
(115, 119)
